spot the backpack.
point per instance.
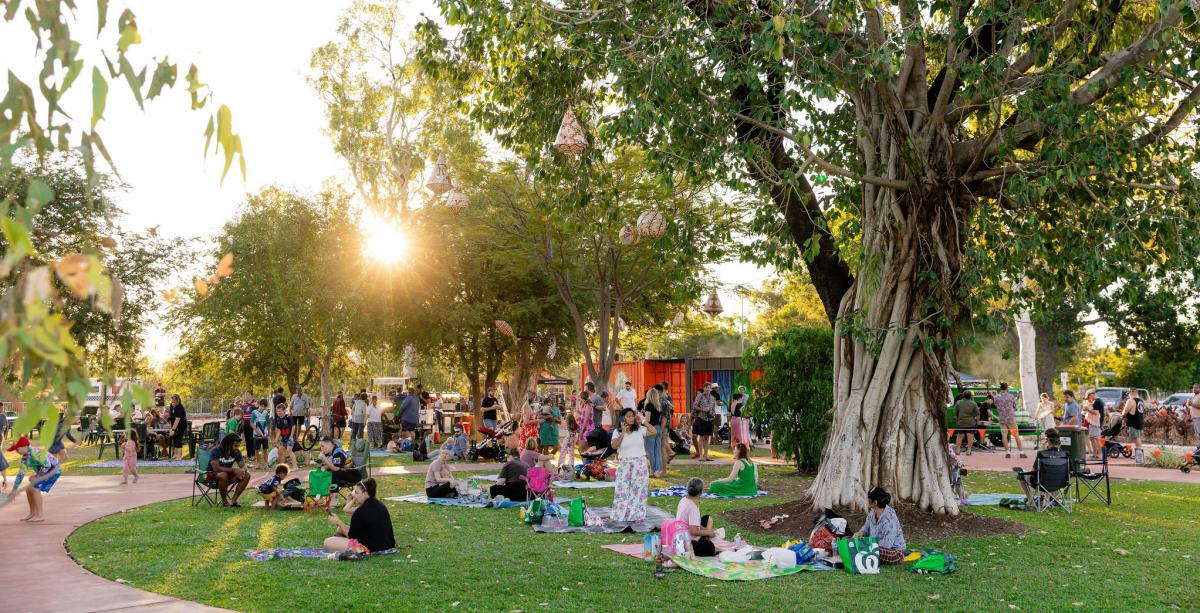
(292, 489)
(934, 561)
(578, 509)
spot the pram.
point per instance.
(594, 465)
(1193, 459)
(678, 444)
(1111, 447)
(492, 445)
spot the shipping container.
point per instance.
(725, 372)
(644, 374)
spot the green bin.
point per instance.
(1074, 441)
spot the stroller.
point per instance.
(1111, 447)
(1193, 459)
(492, 445)
(594, 464)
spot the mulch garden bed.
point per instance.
(917, 524)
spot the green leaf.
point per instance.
(38, 195)
(129, 31)
(135, 80)
(78, 390)
(99, 95)
(780, 22)
(142, 396)
(101, 15)
(164, 75)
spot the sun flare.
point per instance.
(382, 240)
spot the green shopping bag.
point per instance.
(575, 515)
(859, 555)
(537, 510)
(934, 561)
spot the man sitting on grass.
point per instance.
(511, 483)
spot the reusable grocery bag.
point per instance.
(859, 555)
(577, 512)
(934, 561)
(537, 510)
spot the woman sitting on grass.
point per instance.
(883, 524)
(742, 480)
(370, 526)
(532, 457)
(700, 527)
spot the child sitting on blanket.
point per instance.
(957, 470)
(883, 524)
(271, 490)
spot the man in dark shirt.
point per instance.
(1029, 480)
(511, 482)
(488, 404)
(336, 460)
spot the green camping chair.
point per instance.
(204, 485)
(320, 490)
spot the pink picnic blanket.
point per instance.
(635, 550)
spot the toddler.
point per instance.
(271, 490)
(129, 460)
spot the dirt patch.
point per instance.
(918, 525)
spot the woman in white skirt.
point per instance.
(1045, 412)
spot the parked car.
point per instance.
(1177, 403)
(1026, 425)
(1112, 395)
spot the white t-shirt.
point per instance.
(373, 414)
(632, 445)
(627, 398)
(688, 511)
(1194, 406)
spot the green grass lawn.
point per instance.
(1139, 554)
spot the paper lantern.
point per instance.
(439, 177)
(678, 319)
(457, 200)
(713, 305)
(651, 223)
(570, 139)
(620, 324)
(629, 235)
(553, 350)
(504, 328)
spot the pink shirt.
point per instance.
(688, 511)
(435, 468)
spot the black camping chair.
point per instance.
(1051, 480)
(1092, 480)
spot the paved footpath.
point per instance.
(36, 576)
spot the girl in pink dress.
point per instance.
(129, 460)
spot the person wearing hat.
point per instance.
(46, 471)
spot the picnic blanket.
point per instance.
(636, 550)
(735, 571)
(144, 464)
(655, 516)
(679, 491)
(571, 485)
(280, 553)
(467, 502)
(986, 500)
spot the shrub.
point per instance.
(1165, 458)
(794, 396)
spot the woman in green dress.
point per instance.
(742, 480)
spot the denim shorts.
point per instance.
(47, 483)
(1135, 433)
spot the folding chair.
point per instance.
(537, 485)
(1092, 480)
(360, 460)
(320, 490)
(1051, 479)
(202, 485)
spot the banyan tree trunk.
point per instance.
(890, 388)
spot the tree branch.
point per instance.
(1171, 123)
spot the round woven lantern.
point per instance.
(457, 200)
(629, 235)
(678, 319)
(651, 223)
(712, 306)
(570, 139)
(439, 177)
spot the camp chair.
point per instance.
(1051, 478)
(1092, 480)
(204, 484)
(537, 485)
(360, 460)
(210, 433)
(320, 490)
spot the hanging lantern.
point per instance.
(620, 324)
(457, 200)
(629, 235)
(678, 319)
(439, 177)
(570, 139)
(712, 306)
(553, 350)
(651, 223)
(505, 329)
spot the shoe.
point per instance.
(1008, 455)
(695, 456)
(1024, 456)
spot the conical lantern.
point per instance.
(713, 305)
(570, 139)
(678, 319)
(439, 177)
(651, 223)
(629, 235)
(457, 200)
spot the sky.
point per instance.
(254, 54)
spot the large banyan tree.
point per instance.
(927, 159)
